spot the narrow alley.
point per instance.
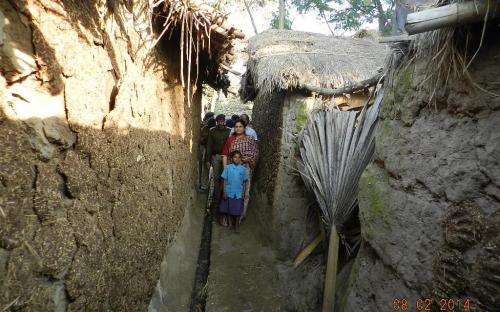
(359, 141)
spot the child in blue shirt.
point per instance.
(235, 183)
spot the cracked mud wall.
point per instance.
(97, 156)
(430, 203)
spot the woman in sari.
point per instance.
(249, 150)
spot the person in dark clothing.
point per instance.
(216, 138)
(229, 123)
(207, 123)
(208, 115)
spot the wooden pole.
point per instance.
(399, 38)
(304, 253)
(331, 272)
(451, 15)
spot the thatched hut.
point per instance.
(288, 74)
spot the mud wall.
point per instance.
(430, 203)
(97, 156)
(279, 197)
(281, 201)
(267, 120)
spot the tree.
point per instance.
(249, 11)
(276, 18)
(281, 19)
(249, 4)
(350, 14)
(282, 13)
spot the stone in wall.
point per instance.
(97, 160)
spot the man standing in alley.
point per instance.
(216, 138)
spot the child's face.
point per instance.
(236, 159)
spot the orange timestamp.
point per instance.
(425, 304)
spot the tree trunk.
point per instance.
(331, 272)
(327, 24)
(251, 17)
(281, 22)
(383, 23)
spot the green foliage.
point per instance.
(349, 14)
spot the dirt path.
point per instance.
(242, 271)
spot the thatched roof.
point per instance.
(283, 60)
(204, 32)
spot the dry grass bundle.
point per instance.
(446, 52)
(281, 60)
(203, 30)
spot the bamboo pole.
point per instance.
(451, 15)
(331, 272)
(399, 38)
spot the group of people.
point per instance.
(228, 147)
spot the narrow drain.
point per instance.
(199, 294)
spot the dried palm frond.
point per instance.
(335, 148)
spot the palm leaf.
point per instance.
(335, 148)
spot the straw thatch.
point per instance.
(283, 60)
(440, 57)
(204, 34)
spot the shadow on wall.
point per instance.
(96, 156)
(87, 228)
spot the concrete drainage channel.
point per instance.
(184, 269)
(199, 293)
